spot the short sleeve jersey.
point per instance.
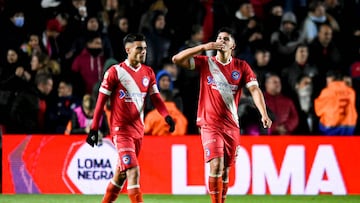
(220, 90)
(127, 88)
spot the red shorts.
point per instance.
(128, 149)
(220, 143)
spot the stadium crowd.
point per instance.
(304, 52)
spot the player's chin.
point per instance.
(142, 59)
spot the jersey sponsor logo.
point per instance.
(235, 75)
(131, 97)
(210, 80)
(145, 81)
(122, 94)
(126, 159)
(221, 86)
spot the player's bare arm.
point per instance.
(259, 101)
(182, 58)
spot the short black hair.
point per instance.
(228, 30)
(91, 36)
(42, 78)
(335, 74)
(132, 37)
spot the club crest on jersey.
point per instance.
(145, 81)
(235, 75)
(126, 159)
(207, 152)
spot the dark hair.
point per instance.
(42, 78)
(132, 37)
(228, 30)
(91, 36)
(270, 74)
(337, 75)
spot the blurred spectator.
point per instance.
(300, 66)
(110, 13)
(82, 118)
(158, 39)
(13, 73)
(13, 78)
(173, 70)
(15, 31)
(50, 39)
(285, 40)
(262, 65)
(165, 82)
(93, 27)
(196, 37)
(88, 66)
(286, 117)
(61, 109)
(323, 52)
(308, 121)
(32, 45)
(298, 7)
(248, 32)
(117, 31)
(336, 107)
(317, 16)
(155, 123)
(273, 12)
(29, 107)
(41, 63)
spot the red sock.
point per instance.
(135, 195)
(112, 192)
(215, 189)
(224, 192)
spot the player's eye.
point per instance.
(141, 48)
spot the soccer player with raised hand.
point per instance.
(221, 80)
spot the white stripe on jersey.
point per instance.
(225, 90)
(154, 89)
(132, 88)
(104, 91)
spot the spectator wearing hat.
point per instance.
(49, 38)
(285, 40)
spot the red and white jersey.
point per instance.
(127, 87)
(220, 89)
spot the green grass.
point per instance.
(180, 199)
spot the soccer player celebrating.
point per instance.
(127, 85)
(221, 80)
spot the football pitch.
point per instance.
(181, 199)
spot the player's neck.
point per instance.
(134, 64)
(223, 57)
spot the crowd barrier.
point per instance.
(278, 165)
